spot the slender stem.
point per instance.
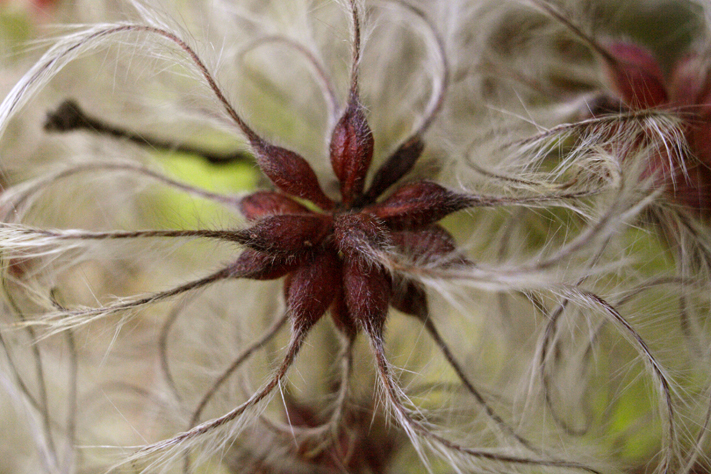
(346, 357)
(582, 125)
(327, 433)
(545, 377)
(42, 402)
(120, 235)
(205, 428)
(18, 377)
(246, 129)
(328, 89)
(236, 363)
(442, 84)
(403, 159)
(416, 428)
(175, 312)
(356, 48)
(72, 406)
(72, 385)
(62, 320)
(500, 423)
(511, 179)
(475, 200)
(16, 202)
(576, 30)
(551, 328)
(682, 260)
(667, 412)
(695, 450)
(70, 117)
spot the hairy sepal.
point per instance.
(429, 246)
(410, 298)
(360, 235)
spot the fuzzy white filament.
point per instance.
(542, 303)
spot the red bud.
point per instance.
(341, 317)
(395, 167)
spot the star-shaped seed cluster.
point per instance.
(329, 249)
(353, 256)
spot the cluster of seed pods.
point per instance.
(636, 80)
(637, 83)
(333, 253)
(339, 255)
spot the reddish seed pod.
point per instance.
(256, 265)
(357, 234)
(351, 150)
(340, 315)
(269, 203)
(690, 90)
(291, 173)
(286, 233)
(366, 291)
(396, 166)
(410, 298)
(635, 76)
(312, 288)
(418, 205)
(427, 246)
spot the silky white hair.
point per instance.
(575, 338)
